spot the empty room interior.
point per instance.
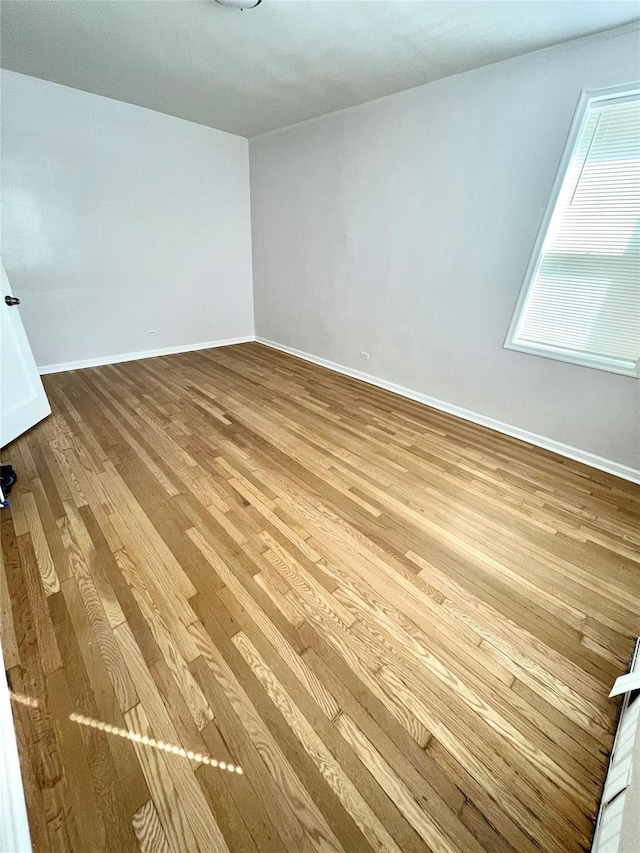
(320, 426)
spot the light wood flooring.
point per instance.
(401, 626)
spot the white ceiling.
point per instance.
(251, 71)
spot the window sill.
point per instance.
(610, 365)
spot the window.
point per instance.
(580, 300)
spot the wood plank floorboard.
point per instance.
(401, 626)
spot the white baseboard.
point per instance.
(136, 356)
(591, 459)
(14, 826)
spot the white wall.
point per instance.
(403, 227)
(116, 220)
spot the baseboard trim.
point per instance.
(593, 460)
(14, 825)
(137, 356)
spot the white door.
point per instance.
(23, 401)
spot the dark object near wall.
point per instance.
(7, 478)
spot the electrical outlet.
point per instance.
(364, 355)
(151, 331)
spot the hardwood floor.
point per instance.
(401, 626)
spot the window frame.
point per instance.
(588, 97)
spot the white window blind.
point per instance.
(580, 301)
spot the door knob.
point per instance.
(12, 300)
